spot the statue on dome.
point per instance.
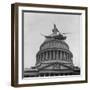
(55, 30)
(56, 34)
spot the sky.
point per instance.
(36, 24)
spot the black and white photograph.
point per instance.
(50, 44)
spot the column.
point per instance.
(68, 57)
(42, 57)
(50, 55)
(38, 58)
(64, 55)
(56, 55)
(53, 54)
(60, 55)
(46, 55)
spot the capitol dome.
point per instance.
(54, 50)
(54, 57)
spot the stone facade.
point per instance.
(54, 58)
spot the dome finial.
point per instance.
(55, 30)
(55, 26)
(55, 35)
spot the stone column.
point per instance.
(64, 55)
(68, 57)
(50, 55)
(56, 55)
(42, 56)
(53, 54)
(60, 55)
(46, 55)
(39, 58)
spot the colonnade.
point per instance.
(53, 55)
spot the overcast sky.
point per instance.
(36, 23)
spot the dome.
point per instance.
(54, 57)
(54, 43)
(54, 49)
